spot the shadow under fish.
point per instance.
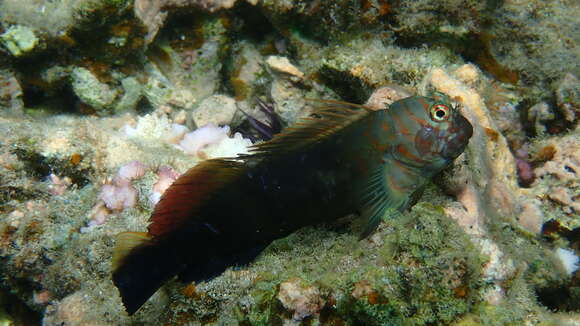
(346, 158)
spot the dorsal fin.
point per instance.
(326, 120)
(190, 190)
(183, 198)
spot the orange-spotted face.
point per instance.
(428, 131)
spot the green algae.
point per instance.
(422, 273)
(428, 274)
(412, 252)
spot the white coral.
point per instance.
(211, 141)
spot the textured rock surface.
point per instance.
(104, 85)
(19, 40)
(216, 109)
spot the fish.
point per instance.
(343, 159)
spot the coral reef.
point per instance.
(104, 103)
(532, 52)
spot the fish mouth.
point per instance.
(462, 131)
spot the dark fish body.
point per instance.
(346, 159)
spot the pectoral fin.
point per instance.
(377, 200)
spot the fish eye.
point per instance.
(440, 112)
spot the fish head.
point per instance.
(431, 129)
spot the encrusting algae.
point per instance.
(89, 88)
(346, 158)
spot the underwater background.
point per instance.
(104, 103)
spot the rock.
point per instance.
(507, 119)
(302, 300)
(10, 92)
(92, 92)
(283, 66)
(361, 289)
(385, 96)
(494, 191)
(132, 95)
(535, 40)
(55, 77)
(468, 74)
(157, 89)
(562, 196)
(568, 97)
(557, 178)
(565, 163)
(19, 40)
(289, 100)
(74, 310)
(216, 109)
(538, 115)
(531, 216)
(247, 72)
(152, 13)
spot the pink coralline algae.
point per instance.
(118, 194)
(166, 176)
(58, 185)
(130, 171)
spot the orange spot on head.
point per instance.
(402, 128)
(424, 103)
(385, 126)
(401, 149)
(381, 148)
(418, 120)
(423, 145)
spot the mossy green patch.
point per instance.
(424, 272)
(429, 273)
